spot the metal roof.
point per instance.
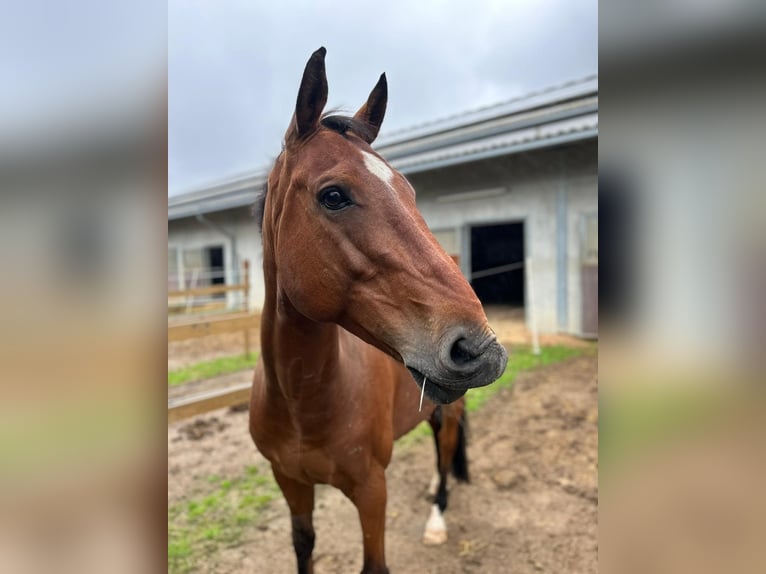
(236, 191)
(532, 101)
(564, 114)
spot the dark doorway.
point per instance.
(497, 263)
(216, 268)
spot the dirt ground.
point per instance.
(532, 504)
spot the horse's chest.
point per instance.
(332, 460)
(328, 449)
(306, 464)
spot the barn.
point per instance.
(509, 190)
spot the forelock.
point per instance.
(345, 124)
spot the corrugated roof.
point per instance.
(541, 99)
(547, 135)
(555, 116)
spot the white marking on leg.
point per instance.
(436, 529)
(378, 168)
(433, 486)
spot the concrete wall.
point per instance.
(538, 183)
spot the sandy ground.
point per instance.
(532, 505)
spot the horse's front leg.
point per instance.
(369, 497)
(300, 499)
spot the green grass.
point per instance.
(212, 368)
(201, 525)
(519, 360)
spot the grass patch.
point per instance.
(519, 360)
(212, 368)
(198, 527)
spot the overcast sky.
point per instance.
(235, 66)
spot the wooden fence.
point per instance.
(182, 330)
(243, 321)
(185, 407)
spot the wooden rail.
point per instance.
(207, 290)
(215, 326)
(243, 321)
(185, 407)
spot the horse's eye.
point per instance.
(333, 198)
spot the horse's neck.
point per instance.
(300, 355)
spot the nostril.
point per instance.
(460, 354)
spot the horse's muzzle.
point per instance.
(463, 361)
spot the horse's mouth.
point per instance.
(438, 394)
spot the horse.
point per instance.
(364, 314)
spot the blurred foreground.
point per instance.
(82, 227)
(683, 271)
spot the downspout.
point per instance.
(562, 251)
(232, 238)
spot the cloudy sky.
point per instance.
(235, 66)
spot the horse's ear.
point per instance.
(373, 111)
(312, 97)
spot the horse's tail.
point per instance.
(460, 460)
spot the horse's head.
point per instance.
(345, 243)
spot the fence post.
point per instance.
(246, 267)
(532, 311)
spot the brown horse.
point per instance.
(360, 300)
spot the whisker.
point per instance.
(422, 392)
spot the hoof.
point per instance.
(434, 537)
(436, 529)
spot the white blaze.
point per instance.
(378, 168)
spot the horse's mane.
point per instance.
(336, 122)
